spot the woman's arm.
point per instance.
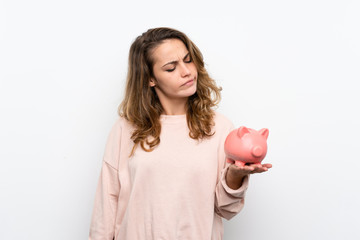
(105, 205)
(228, 201)
(107, 193)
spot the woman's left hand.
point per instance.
(250, 169)
(236, 174)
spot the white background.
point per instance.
(290, 66)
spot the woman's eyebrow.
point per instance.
(173, 62)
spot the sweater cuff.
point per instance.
(238, 193)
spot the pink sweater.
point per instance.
(177, 191)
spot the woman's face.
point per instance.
(175, 74)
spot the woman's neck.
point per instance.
(174, 108)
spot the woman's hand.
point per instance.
(236, 174)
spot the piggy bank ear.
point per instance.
(264, 132)
(242, 131)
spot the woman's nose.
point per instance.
(185, 70)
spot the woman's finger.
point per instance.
(267, 165)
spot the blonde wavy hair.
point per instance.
(142, 107)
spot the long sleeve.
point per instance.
(228, 202)
(107, 193)
(104, 214)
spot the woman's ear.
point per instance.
(152, 82)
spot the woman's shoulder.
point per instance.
(222, 122)
(118, 139)
(122, 124)
(221, 118)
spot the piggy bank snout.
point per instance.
(257, 151)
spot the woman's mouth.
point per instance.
(188, 83)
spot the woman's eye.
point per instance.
(170, 70)
(188, 61)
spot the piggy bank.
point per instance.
(246, 145)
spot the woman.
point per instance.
(164, 174)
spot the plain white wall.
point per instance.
(290, 66)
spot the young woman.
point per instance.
(164, 174)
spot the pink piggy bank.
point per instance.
(246, 145)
